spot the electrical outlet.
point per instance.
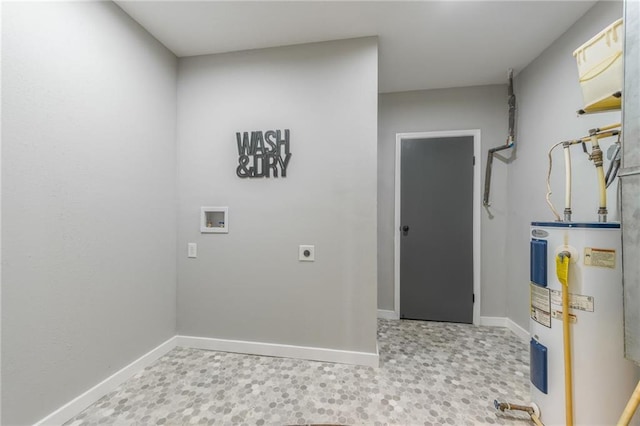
(307, 253)
(192, 250)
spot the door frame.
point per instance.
(476, 211)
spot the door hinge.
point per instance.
(474, 160)
(473, 298)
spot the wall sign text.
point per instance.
(263, 154)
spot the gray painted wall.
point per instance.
(548, 97)
(248, 284)
(88, 196)
(483, 108)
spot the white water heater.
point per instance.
(602, 378)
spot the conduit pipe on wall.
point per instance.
(508, 144)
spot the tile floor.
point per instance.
(430, 374)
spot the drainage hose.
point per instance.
(535, 419)
(631, 407)
(548, 197)
(532, 410)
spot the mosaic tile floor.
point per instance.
(430, 374)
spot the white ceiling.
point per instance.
(423, 45)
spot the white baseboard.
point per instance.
(518, 331)
(522, 333)
(493, 321)
(390, 315)
(78, 404)
(368, 359)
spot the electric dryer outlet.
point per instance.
(307, 253)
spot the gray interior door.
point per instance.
(436, 229)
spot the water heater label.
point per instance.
(576, 301)
(540, 305)
(558, 315)
(605, 258)
(541, 317)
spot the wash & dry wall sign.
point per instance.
(263, 154)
